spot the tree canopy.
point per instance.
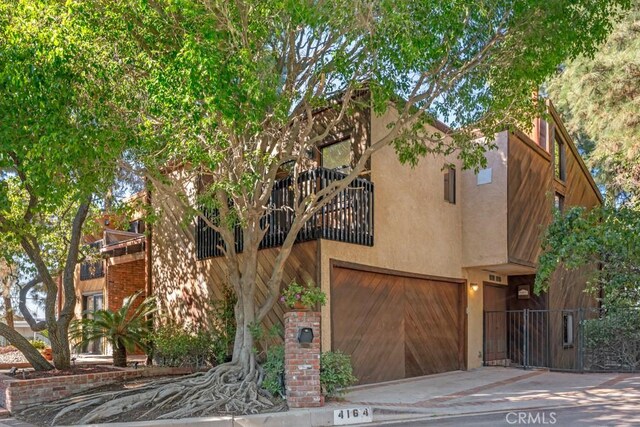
(599, 97)
(232, 93)
(608, 238)
(60, 141)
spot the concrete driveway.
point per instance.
(500, 390)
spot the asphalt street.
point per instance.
(627, 414)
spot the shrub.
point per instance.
(38, 344)
(335, 372)
(613, 341)
(274, 370)
(174, 346)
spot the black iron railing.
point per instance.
(348, 217)
(92, 269)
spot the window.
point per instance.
(567, 329)
(450, 185)
(337, 156)
(559, 202)
(559, 163)
(136, 226)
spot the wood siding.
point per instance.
(187, 287)
(528, 201)
(396, 327)
(531, 190)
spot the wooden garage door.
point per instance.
(396, 327)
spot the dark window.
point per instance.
(559, 202)
(567, 329)
(450, 185)
(136, 226)
(559, 160)
(337, 156)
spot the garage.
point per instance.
(397, 325)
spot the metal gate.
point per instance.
(569, 340)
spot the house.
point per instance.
(116, 270)
(413, 274)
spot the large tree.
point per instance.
(59, 145)
(606, 237)
(599, 96)
(234, 91)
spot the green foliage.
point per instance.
(126, 328)
(308, 295)
(39, 344)
(175, 347)
(222, 324)
(212, 344)
(336, 372)
(599, 97)
(612, 341)
(274, 371)
(605, 236)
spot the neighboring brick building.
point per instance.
(119, 272)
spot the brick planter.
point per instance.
(16, 395)
(302, 361)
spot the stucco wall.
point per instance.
(415, 229)
(183, 284)
(484, 210)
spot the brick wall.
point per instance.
(123, 280)
(16, 395)
(302, 361)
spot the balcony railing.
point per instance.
(348, 217)
(92, 269)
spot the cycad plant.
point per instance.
(124, 329)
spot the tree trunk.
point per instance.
(60, 348)
(243, 342)
(34, 357)
(7, 283)
(8, 307)
(119, 354)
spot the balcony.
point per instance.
(347, 218)
(91, 270)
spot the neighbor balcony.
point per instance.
(348, 217)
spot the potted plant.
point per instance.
(47, 353)
(302, 297)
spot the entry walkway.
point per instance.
(495, 389)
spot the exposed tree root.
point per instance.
(221, 390)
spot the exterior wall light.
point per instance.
(474, 287)
(305, 335)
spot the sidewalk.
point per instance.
(479, 391)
